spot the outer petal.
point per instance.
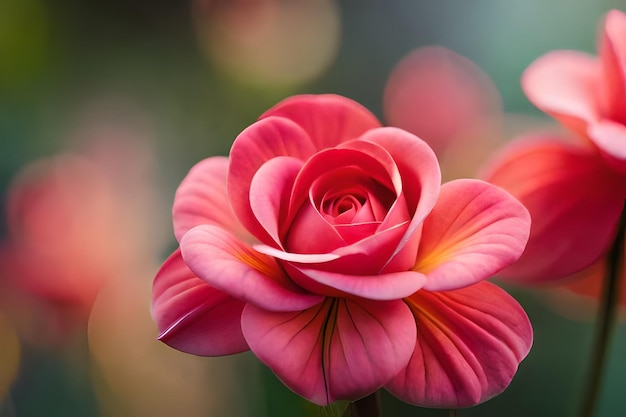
(260, 142)
(474, 231)
(469, 344)
(328, 119)
(390, 286)
(338, 350)
(202, 198)
(574, 201)
(192, 316)
(233, 267)
(564, 84)
(610, 137)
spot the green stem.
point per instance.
(606, 317)
(366, 407)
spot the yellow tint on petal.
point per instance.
(9, 355)
(427, 263)
(419, 310)
(257, 263)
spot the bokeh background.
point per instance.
(115, 100)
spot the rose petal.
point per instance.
(421, 179)
(564, 84)
(202, 198)
(474, 231)
(231, 266)
(310, 233)
(262, 141)
(270, 190)
(367, 257)
(192, 316)
(610, 137)
(574, 201)
(338, 350)
(469, 345)
(327, 118)
(334, 160)
(390, 286)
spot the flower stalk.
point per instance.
(606, 317)
(366, 407)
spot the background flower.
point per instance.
(575, 190)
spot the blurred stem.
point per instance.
(366, 407)
(453, 412)
(606, 317)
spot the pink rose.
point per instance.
(327, 245)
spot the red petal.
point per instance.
(328, 119)
(338, 350)
(192, 316)
(202, 198)
(469, 345)
(574, 201)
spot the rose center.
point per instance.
(343, 205)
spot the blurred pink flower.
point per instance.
(64, 214)
(443, 98)
(574, 189)
(62, 239)
(326, 234)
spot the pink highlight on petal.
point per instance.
(474, 231)
(574, 201)
(192, 316)
(469, 344)
(389, 286)
(366, 257)
(610, 137)
(306, 258)
(328, 119)
(231, 266)
(338, 350)
(564, 84)
(202, 198)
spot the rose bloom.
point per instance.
(574, 189)
(327, 245)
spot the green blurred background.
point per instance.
(162, 65)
